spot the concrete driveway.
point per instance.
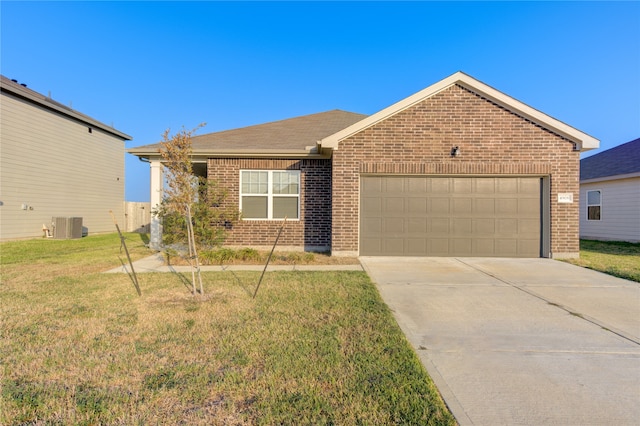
(520, 341)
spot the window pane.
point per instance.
(254, 207)
(593, 198)
(254, 182)
(286, 182)
(285, 206)
(593, 213)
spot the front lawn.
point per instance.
(80, 347)
(611, 257)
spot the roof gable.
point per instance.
(582, 140)
(621, 160)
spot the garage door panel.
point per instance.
(484, 206)
(462, 206)
(439, 226)
(417, 185)
(417, 225)
(506, 246)
(440, 186)
(372, 205)
(374, 246)
(506, 226)
(438, 246)
(528, 206)
(483, 247)
(527, 246)
(507, 206)
(462, 186)
(372, 185)
(528, 227)
(393, 246)
(394, 186)
(392, 226)
(450, 216)
(439, 205)
(371, 226)
(485, 186)
(529, 186)
(416, 246)
(417, 206)
(394, 205)
(463, 246)
(484, 226)
(507, 186)
(463, 226)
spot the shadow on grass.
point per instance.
(127, 267)
(183, 279)
(144, 238)
(248, 288)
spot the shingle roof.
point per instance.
(21, 91)
(293, 134)
(621, 160)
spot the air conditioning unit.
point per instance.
(65, 228)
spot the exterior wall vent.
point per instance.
(65, 228)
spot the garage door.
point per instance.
(450, 216)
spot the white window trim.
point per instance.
(270, 194)
(592, 205)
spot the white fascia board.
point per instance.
(333, 140)
(583, 140)
(203, 155)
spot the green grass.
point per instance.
(80, 347)
(615, 258)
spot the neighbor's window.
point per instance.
(594, 205)
(270, 194)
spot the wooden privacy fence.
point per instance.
(137, 216)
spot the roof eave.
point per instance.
(200, 155)
(612, 177)
(28, 95)
(583, 141)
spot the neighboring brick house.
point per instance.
(56, 162)
(457, 169)
(610, 194)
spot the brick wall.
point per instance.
(312, 231)
(492, 141)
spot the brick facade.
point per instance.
(492, 141)
(311, 232)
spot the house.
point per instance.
(55, 163)
(610, 194)
(457, 169)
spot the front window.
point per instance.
(270, 194)
(594, 205)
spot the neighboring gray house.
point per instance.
(55, 162)
(610, 194)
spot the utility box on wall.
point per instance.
(65, 228)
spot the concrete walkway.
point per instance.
(156, 263)
(520, 341)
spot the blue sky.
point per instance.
(144, 67)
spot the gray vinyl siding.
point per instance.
(52, 164)
(620, 214)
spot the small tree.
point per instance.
(180, 193)
(210, 217)
(192, 207)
